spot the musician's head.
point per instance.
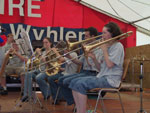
(10, 38)
(15, 45)
(47, 43)
(111, 30)
(90, 32)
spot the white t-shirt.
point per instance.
(70, 67)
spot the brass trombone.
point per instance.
(70, 45)
(50, 64)
(33, 62)
(88, 48)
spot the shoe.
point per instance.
(25, 99)
(90, 111)
(74, 110)
(1, 88)
(4, 92)
(70, 103)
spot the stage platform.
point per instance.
(131, 102)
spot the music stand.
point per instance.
(25, 44)
(141, 59)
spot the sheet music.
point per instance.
(25, 43)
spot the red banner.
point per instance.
(59, 13)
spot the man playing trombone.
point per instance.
(88, 67)
(70, 68)
(110, 66)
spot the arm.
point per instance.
(74, 60)
(39, 54)
(58, 55)
(21, 57)
(109, 63)
(97, 64)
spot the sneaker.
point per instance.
(1, 88)
(25, 99)
(4, 92)
(90, 111)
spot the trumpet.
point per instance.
(11, 54)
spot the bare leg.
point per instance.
(75, 96)
(22, 80)
(3, 82)
(81, 101)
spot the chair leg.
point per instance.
(121, 102)
(102, 102)
(56, 95)
(97, 102)
(74, 109)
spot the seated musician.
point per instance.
(2, 54)
(36, 73)
(70, 68)
(42, 78)
(15, 63)
(110, 66)
(4, 49)
(88, 69)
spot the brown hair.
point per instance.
(49, 39)
(113, 28)
(93, 31)
(10, 35)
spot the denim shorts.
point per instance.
(83, 84)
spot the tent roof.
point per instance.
(135, 12)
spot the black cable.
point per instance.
(113, 8)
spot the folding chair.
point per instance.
(100, 90)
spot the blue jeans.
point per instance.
(54, 85)
(65, 81)
(83, 84)
(28, 82)
(44, 87)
